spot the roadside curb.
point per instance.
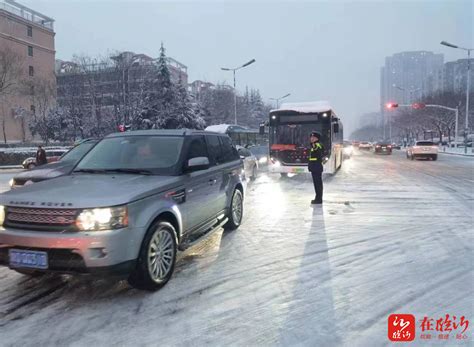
(458, 154)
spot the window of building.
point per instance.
(29, 30)
(32, 108)
(30, 51)
(31, 70)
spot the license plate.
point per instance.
(298, 170)
(384, 149)
(29, 259)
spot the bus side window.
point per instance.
(252, 139)
(235, 138)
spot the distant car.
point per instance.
(366, 146)
(250, 162)
(62, 167)
(382, 148)
(355, 144)
(423, 149)
(51, 156)
(348, 149)
(396, 146)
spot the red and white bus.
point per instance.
(289, 130)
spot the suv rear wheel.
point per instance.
(155, 263)
(236, 211)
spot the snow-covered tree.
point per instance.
(168, 105)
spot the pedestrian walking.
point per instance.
(41, 157)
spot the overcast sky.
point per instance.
(315, 50)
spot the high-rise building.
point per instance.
(404, 76)
(29, 36)
(455, 75)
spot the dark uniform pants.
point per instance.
(318, 184)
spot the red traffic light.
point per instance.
(392, 105)
(418, 105)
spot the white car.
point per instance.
(250, 162)
(423, 149)
(367, 146)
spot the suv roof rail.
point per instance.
(169, 132)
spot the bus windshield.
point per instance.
(295, 134)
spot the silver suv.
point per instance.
(126, 209)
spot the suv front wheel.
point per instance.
(236, 211)
(155, 263)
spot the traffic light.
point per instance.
(392, 105)
(418, 105)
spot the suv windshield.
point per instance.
(77, 152)
(158, 154)
(425, 143)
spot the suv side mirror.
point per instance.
(336, 127)
(242, 153)
(198, 163)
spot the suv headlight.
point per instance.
(2, 214)
(103, 219)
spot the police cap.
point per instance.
(315, 133)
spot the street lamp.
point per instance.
(280, 98)
(466, 123)
(235, 91)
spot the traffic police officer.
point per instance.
(315, 166)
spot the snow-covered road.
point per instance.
(394, 236)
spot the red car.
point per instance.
(383, 148)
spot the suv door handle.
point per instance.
(212, 181)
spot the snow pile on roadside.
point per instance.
(470, 151)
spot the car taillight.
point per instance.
(377, 146)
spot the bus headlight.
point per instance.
(103, 218)
(263, 160)
(325, 160)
